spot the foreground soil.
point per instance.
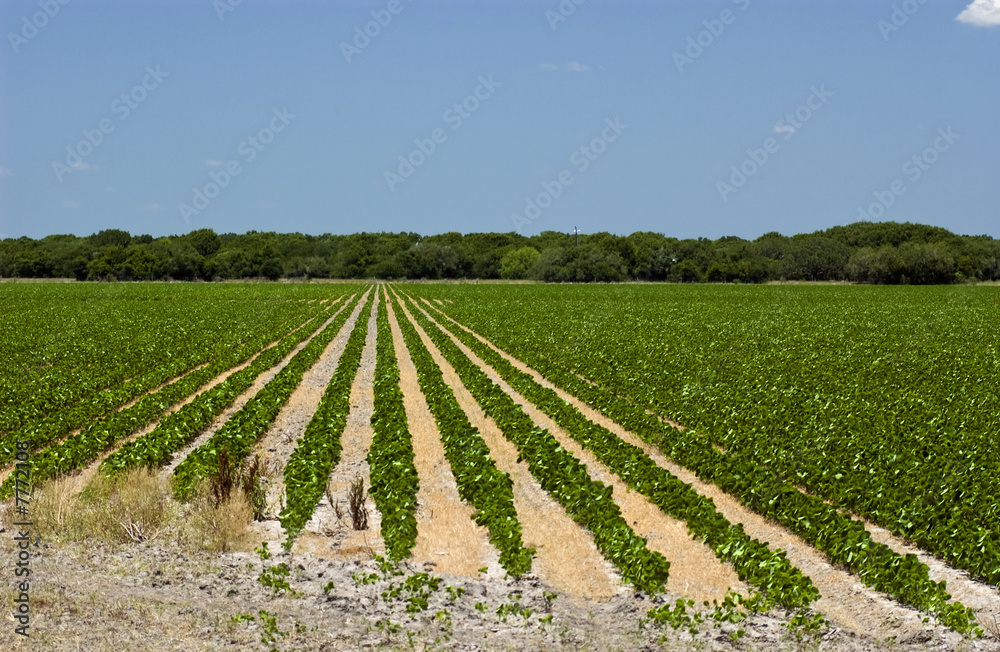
(159, 596)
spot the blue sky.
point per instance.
(685, 118)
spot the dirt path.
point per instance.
(242, 399)
(566, 556)
(695, 572)
(326, 535)
(447, 535)
(845, 600)
(277, 444)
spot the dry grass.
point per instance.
(356, 499)
(137, 506)
(220, 526)
(250, 477)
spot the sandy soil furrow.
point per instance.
(242, 399)
(447, 535)
(277, 444)
(326, 535)
(845, 600)
(566, 556)
(695, 572)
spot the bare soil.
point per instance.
(160, 596)
(566, 556)
(447, 536)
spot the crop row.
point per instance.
(65, 345)
(179, 428)
(239, 434)
(40, 433)
(84, 447)
(479, 482)
(844, 540)
(753, 560)
(318, 450)
(870, 398)
(589, 502)
(394, 478)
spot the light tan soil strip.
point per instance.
(277, 444)
(243, 398)
(566, 556)
(695, 572)
(325, 535)
(447, 535)
(845, 600)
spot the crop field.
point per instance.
(822, 456)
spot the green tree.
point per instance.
(518, 263)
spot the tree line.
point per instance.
(863, 252)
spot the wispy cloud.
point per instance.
(784, 129)
(984, 13)
(5, 172)
(151, 207)
(80, 166)
(572, 66)
(70, 204)
(214, 163)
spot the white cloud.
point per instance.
(80, 166)
(784, 129)
(576, 66)
(548, 66)
(214, 163)
(984, 13)
(72, 205)
(5, 172)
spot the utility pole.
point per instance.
(576, 233)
